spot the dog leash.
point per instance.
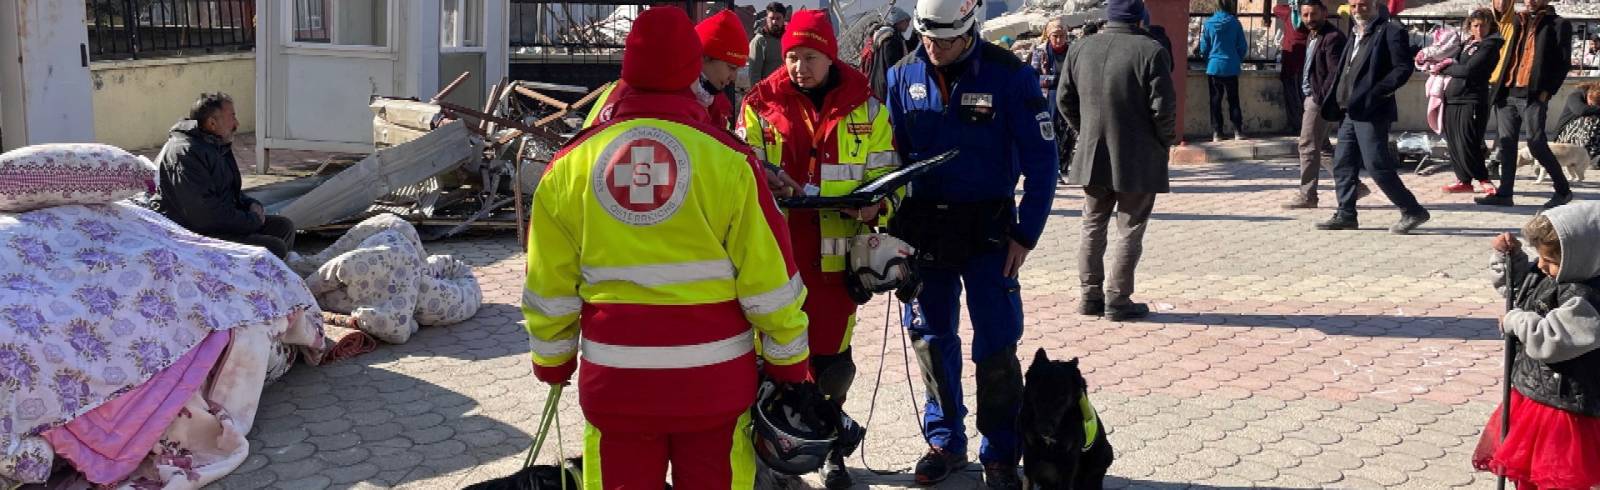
(872, 405)
(551, 414)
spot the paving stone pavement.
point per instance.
(1278, 356)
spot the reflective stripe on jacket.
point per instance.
(655, 236)
(847, 143)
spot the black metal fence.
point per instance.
(142, 29)
(579, 42)
(1262, 34)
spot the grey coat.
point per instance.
(1116, 91)
(766, 55)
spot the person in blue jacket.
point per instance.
(957, 91)
(1223, 44)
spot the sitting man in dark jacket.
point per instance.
(200, 184)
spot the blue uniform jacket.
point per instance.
(995, 114)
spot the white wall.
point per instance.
(43, 75)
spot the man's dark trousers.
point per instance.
(1509, 120)
(276, 235)
(1366, 145)
(1293, 100)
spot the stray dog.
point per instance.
(1064, 443)
(1573, 159)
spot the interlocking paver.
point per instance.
(1278, 356)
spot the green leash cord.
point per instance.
(552, 413)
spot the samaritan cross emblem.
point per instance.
(644, 180)
(642, 176)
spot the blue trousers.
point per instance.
(995, 305)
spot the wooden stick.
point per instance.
(540, 133)
(594, 94)
(451, 87)
(547, 100)
(516, 190)
(488, 107)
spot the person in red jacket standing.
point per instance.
(656, 251)
(722, 41)
(725, 52)
(816, 119)
(1292, 61)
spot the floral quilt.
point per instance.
(95, 300)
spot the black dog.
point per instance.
(1064, 440)
(540, 477)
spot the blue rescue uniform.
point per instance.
(961, 217)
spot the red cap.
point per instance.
(724, 38)
(662, 53)
(811, 29)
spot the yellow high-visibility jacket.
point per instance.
(654, 248)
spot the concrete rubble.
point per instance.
(440, 166)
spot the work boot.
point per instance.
(834, 474)
(1301, 202)
(1130, 311)
(1340, 221)
(938, 465)
(1496, 199)
(1001, 476)
(1557, 200)
(1092, 307)
(1409, 222)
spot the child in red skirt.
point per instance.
(1554, 441)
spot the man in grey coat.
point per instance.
(1125, 127)
(766, 52)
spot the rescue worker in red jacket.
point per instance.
(816, 119)
(655, 241)
(723, 39)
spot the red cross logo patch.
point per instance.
(642, 176)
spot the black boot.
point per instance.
(834, 474)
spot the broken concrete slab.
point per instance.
(354, 189)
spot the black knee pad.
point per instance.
(999, 390)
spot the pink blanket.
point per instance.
(109, 442)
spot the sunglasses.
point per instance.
(946, 42)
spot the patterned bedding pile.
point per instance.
(123, 332)
(379, 274)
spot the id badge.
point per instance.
(813, 190)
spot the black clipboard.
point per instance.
(875, 191)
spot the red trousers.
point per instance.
(828, 306)
(704, 452)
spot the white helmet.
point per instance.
(947, 18)
(880, 263)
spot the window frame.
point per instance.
(331, 20)
(482, 19)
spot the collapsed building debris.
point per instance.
(441, 166)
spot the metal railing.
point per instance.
(1261, 32)
(142, 29)
(579, 42)
(583, 28)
